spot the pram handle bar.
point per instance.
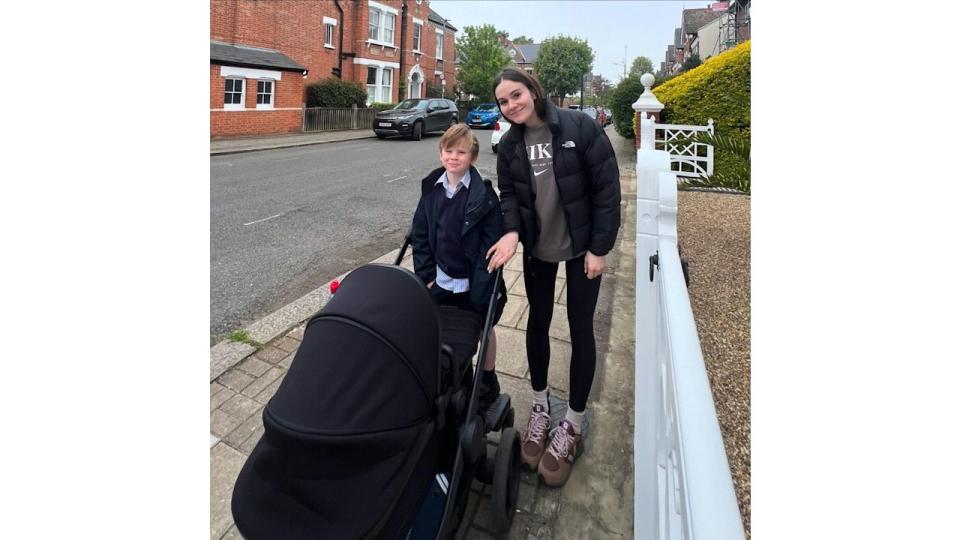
(482, 353)
(403, 248)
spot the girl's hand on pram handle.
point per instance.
(501, 252)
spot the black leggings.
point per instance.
(540, 278)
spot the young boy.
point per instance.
(457, 220)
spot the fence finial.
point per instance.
(647, 102)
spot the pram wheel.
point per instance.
(506, 479)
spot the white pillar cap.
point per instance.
(647, 102)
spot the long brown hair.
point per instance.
(531, 82)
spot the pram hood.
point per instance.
(353, 417)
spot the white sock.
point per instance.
(575, 418)
(540, 398)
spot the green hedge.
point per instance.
(621, 103)
(334, 92)
(719, 89)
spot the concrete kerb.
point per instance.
(226, 354)
(236, 146)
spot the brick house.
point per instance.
(263, 55)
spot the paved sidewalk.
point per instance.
(250, 144)
(596, 502)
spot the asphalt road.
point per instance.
(285, 221)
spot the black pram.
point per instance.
(374, 431)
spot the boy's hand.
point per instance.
(593, 265)
(430, 284)
(501, 252)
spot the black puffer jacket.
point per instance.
(586, 173)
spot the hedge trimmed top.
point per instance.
(718, 89)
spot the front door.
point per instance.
(415, 85)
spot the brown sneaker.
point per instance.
(558, 459)
(534, 440)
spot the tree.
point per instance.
(522, 40)
(561, 64)
(481, 58)
(601, 87)
(641, 65)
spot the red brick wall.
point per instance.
(285, 118)
(295, 28)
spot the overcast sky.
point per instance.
(646, 28)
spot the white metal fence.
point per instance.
(682, 487)
(333, 118)
(690, 159)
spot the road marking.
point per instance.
(398, 178)
(269, 218)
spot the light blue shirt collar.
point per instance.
(464, 182)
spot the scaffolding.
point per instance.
(735, 24)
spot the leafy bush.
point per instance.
(382, 106)
(334, 92)
(433, 90)
(719, 89)
(621, 103)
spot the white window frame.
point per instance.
(235, 72)
(417, 35)
(383, 12)
(439, 44)
(372, 89)
(386, 90)
(243, 94)
(272, 94)
(380, 65)
(329, 25)
(377, 92)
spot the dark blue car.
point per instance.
(485, 115)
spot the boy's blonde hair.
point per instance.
(455, 133)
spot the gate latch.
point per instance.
(654, 261)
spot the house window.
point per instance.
(439, 45)
(379, 84)
(373, 29)
(382, 23)
(233, 94)
(417, 28)
(264, 94)
(371, 84)
(329, 25)
(386, 87)
(328, 35)
(388, 25)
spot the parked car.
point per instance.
(484, 115)
(609, 116)
(414, 117)
(499, 128)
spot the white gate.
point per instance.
(691, 159)
(682, 483)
